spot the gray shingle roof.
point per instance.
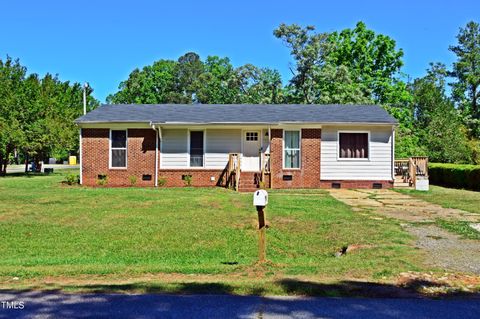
(237, 113)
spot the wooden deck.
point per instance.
(409, 170)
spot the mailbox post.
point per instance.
(260, 200)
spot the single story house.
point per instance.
(245, 146)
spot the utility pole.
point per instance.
(85, 86)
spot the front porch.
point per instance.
(245, 181)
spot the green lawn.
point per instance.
(450, 198)
(50, 229)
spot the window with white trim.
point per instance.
(118, 148)
(353, 145)
(291, 144)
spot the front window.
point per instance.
(353, 145)
(196, 149)
(291, 149)
(118, 148)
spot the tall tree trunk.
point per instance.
(5, 159)
(26, 162)
(474, 103)
(1, 164)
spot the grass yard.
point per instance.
(72, 233)
(450, 198)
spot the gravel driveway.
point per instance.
(444, 250)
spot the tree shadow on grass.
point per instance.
(415, 288)
(156, 288)
(28, 175)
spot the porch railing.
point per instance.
(410, 169)
(265, 168)
(233, 171)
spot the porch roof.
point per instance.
(237, 114)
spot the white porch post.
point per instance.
(156, 156)
(80, 159)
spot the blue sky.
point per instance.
(103, 41)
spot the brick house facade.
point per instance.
(331, 148)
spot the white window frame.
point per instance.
(117, 148)
(299, 149)
(204, 147)
(252, 134)
(352, 158)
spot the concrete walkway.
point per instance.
(400, 206)
(61, 305)
(443, 249)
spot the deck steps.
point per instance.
(401, 183)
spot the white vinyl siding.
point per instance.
(377, 167)
(174, 148)
(220, 142)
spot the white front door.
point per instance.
(251, 148)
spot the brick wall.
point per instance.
(140, 157)
(200, 177)
(356, 184)
(308, 176)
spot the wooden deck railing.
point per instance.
(233, 171)
(265, 168)
(409, 169)
(421, 165)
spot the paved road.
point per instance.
(60, 305)
(21, 168)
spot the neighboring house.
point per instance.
(244, 146)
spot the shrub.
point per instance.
(187, 179)
(455, 175)
(71, 179)
(162, 181)
(133, 180)
(102, 179)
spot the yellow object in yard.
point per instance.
(72, 160)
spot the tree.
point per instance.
(191, 80)
(309, 50)
(218, 82)
(258, 85)
(371, 58)
(12, 75)
(351, 67)
(189, 68)
(437, 122)
(152, 84)
(37, 114)
(466, 70)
